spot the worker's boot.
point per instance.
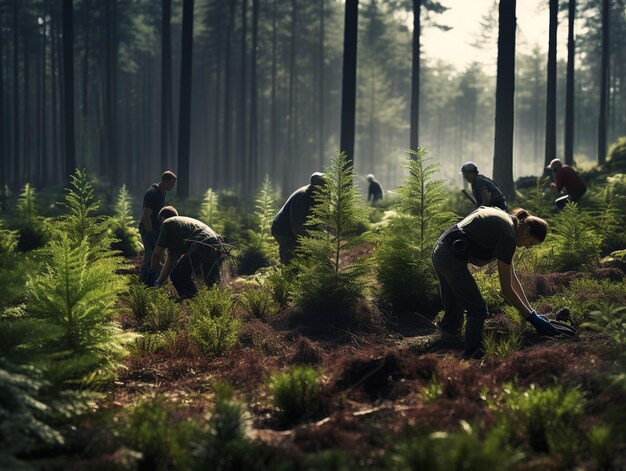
(473, 337)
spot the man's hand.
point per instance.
(541, 324)
(553, 186)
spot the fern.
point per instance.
(8, 244)
(69, 313)
(326, 283)
(539, 200)
(210, 212)
(404, 270)
(608, 219)
(575, 242)
(123, 226)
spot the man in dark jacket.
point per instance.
(192, 248)
(375, 191)
(566, 178)
(290, 221)
(486, 192)
(153, 202)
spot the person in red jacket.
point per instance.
(566, 178)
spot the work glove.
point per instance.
(541, 324)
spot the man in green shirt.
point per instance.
(192, 248)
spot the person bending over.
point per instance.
(192, 248)
(484, 235)
(486, 192)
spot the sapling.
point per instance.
(328, 285)
(575, 243)
(210, 212)
(404, 270)
(123, 226)
(30, 225)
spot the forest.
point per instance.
(260, 235)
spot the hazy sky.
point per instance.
(464, 16)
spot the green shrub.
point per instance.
(540, 200)
(70, 309)
(539, 417)
(123, 227)
(280, 284)
(616, 161)
(602, 443)
(30, 226)
(585, 295)
(146, 343)
(575, 243)
(611, 321)
(432, 391)
(137, 299)
(404, 270)
(155, 429)
(258, 303)
(153, 308)
(296, 393)
(498, 346)
(229, 419)
(463, 450)
(210, 212)
(326, 286)
(8, 244)
(212, 324)
(489, 286)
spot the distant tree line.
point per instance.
(265, 85)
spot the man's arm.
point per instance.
(167, 268)
(506, 275)
(146, 219)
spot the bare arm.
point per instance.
(167, 269)
(506, 274)
(517, 287)
(156, 257)
(146, 219)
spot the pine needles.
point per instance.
(327, 284)
(404, 270)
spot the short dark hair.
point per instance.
(168, 176)
(168, 212)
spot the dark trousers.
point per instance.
(571, 198)
(201, 260)
(145, 274)
(459, 293)
(286, 247)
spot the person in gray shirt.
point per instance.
(289, 223)
(486, 192)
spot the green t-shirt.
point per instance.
(177, 232)
(491, 234)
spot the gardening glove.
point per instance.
(541, 324)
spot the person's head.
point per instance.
(530, 230)
(167, 212)
(370, 178)
(168, 180)
(554, 165)
(317, 179)
(469, 170)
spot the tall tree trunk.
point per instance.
(184, 130)
(288, 168)
(505, 92)
(55, 161)
(3, 164)
(415, 75)
(166, 82)
(27, 140)
(43, 174)
(218, 173)
(604, 79)
(229, 163)
(242, 134)
(68, 74)
(569, 93)
(274, 114)
(320, 92)
(348, 86)
(253, 152)
(550, 149)
(16, 99)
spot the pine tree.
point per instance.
(123, 226)
(265, 209)
(404, 271)
(327, 284)
(210, 212)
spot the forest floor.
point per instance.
(374, 381)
